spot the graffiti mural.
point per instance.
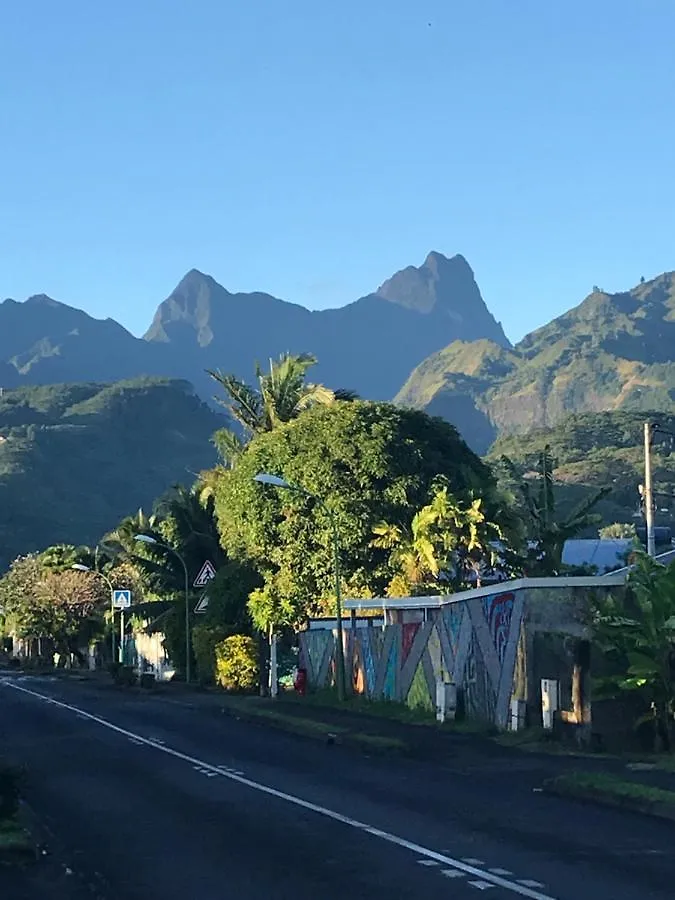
(471, 642)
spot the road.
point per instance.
(146, 798)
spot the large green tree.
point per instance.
(65, 606)
(367, 463)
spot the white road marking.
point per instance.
(481, 885)
(500, 871)
(485, 878)
(469, 860)
(526, 882)
(453, 873)
(427, 862)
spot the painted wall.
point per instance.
(480, 644)
(472, 643)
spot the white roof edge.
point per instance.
(518, 584)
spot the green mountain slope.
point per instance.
(76, 458)
(613, 351)
(595, 450)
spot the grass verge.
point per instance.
(16, 844)
(611, 790)
(257, 709)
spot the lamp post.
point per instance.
(80, 567)
(147, 539)
(275, 481)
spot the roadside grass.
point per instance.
(392, 710)
(14, 839)
(614, 791)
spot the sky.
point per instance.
(311, 148)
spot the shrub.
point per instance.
(205, 639)
(237, 666)
(124, 676)
(9, 791)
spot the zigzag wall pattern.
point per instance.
(472, 643)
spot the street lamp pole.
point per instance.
(648, 491)
(80, 567)
(275, 481)
(147, 539)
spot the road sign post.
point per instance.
(206, 574)
(121, 600)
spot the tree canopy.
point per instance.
(370, 462)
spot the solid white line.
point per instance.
(496, 880)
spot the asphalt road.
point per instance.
(144, 798)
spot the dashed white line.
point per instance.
(485, 879)
(470, 861)
(528, 883)
(427, 862)
(453, 873)
(500, 871)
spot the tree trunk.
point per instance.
(263, 655)
(580, 693)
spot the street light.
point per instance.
(80, 567)
(147, 539)
(276, 481)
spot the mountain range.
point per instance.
(369, 346)
(425, 337)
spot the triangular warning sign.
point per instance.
(206, 573)
(203, 604)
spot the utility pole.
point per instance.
(648, 491)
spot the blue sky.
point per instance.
(310, 149)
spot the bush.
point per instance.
(9, 791)
(237, 665)
(123, 675)
(205, 639)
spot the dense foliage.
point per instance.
(599, 450)
(370, 462)
(75, 459)
(636, 632)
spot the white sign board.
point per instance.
(122, 599)
(203, 604)
(206, 573)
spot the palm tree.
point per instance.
(546, 532)
(281, 395)
(448, 545)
